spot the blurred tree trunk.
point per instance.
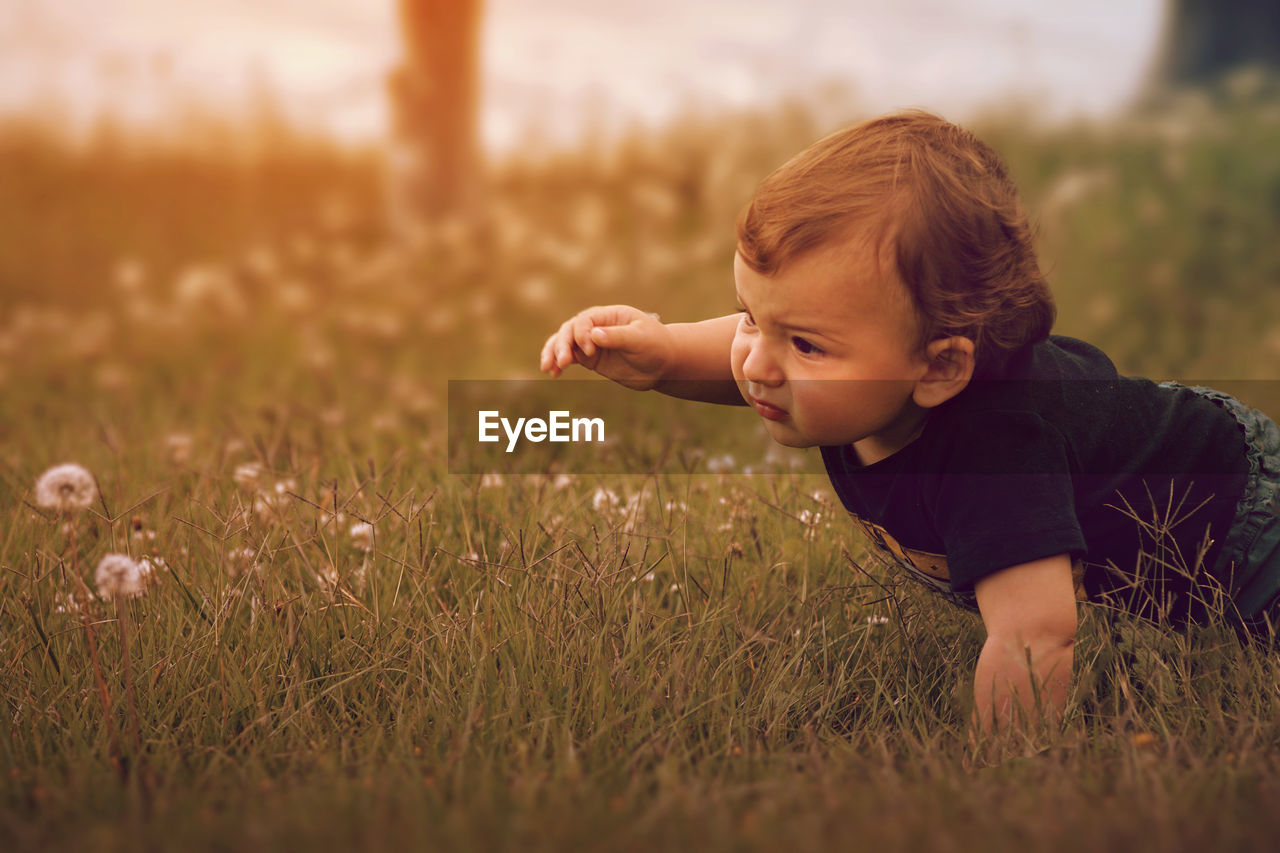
(1204, 39)
(436, 167)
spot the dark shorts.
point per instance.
(1251, 551)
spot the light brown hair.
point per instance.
(961, 241)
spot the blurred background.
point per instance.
(333, 207)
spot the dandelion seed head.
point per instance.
(327, 578)
(178, 447)
(118, 576)
(262, 262)
(129, 275)
(242, 561)
(293, 296)
(149, 566)
(385, 422)
(66, 488)
(66, 603)
(362, 536)
(721, 464)
(247, 475)
(111, 376)
(604, 499)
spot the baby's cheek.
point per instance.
(737, 356)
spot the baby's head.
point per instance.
(935, 199)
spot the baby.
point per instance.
(893, 314)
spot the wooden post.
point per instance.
(436, 169)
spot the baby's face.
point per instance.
(826, 351)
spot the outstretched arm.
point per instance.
(633, 348)
(1024, 671)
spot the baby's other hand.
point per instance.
(619, 342)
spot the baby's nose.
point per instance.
(761, 368)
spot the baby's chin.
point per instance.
(787, 435)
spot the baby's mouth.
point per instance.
(767, 411)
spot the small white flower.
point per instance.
(721, 464)
(327, 579)
(247, 475)
(362, 536)
(603, 499)
(178, 446)
(66, 488)
(118, 576)
(66, 603)
(877, 620)
(242, 561)
(327, 520)
(491, 481)
(148, 566)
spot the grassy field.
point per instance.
(705, 661)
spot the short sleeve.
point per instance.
(1002, 495)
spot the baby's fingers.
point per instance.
(557, 352)
(546, 358)
(581, 331)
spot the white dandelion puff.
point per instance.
(66, 603)
(242, 561)
(148, 567)
(178, 447)
(877, 620)
(129, 276)
(604, 499)
(721, 464)
(66, 488)
(362, 536)
(327, 578)
(247, 475)
(118, 576)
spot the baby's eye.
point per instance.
(804, 347)
(746, 317)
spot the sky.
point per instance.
(561, 63)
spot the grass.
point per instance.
(529, 662)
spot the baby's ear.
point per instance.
(950, 367)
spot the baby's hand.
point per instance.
(617, 341)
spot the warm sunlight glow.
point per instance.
(556, 65)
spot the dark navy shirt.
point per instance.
(1136, 481)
